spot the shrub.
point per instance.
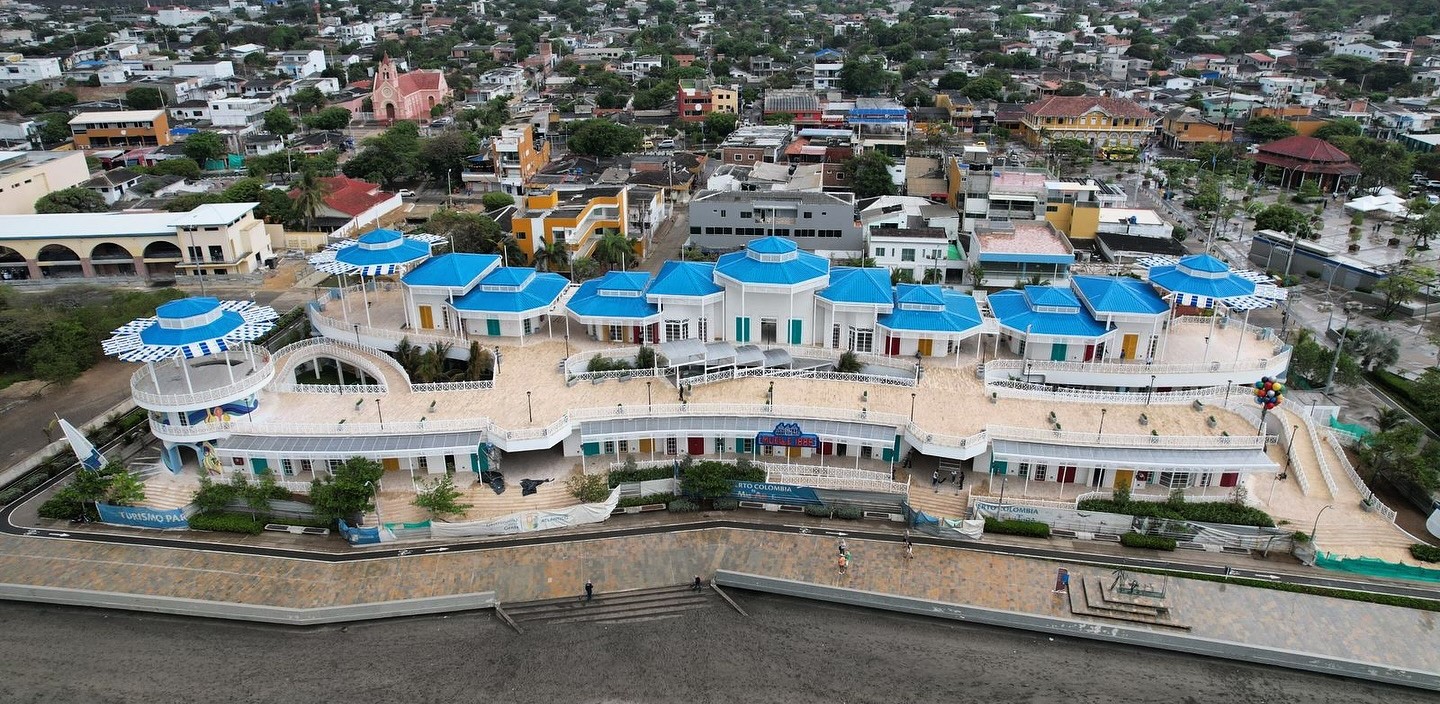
(1153, 542)
(849, 513)
(817, 511)
(725, 504)
(1425, 553)
(605, 364)
(10, 496)
(645, 357)
(65, 504)
(226, 522)
(647, 474)
(589, 488)
(682, 506)
(849, 363)
(646, 500)
(1209, 512)
(1029, 529)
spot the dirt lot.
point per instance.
(28, 406)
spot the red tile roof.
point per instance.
(351, 196)
(419, 80)
(1305, 149)
(1077, 105)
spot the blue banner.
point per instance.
(142, 517)
(774, 493)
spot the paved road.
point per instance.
(788, 651)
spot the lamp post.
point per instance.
(1228, 384)
(378, 413)
(912, 407)
(1290, 456)
(1101, 431)
(1003, 481)
(567, 344)
(529, 408)
(1151, 391)
(647, 394)
(1316, 527)
(357, 333)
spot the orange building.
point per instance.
(1183, 128)
(577, 218)
(507, 161)
(121, 128)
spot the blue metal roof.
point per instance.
(858, 286)
(772, 260)
(957, 312)
(379, 235)
(1119, 294)
(684, 279)
(1053, 296)
(508, 276)
(187, 307)
(1013, 310)
(590, 300)
(1201, 275)
(220, 322)
(540, 293)
(383, 247)
(453, 270)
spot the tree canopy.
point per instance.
(603, 139)
(869, 175)
(348, 491)
(1268, 129)
(76, 199)
(205, 147)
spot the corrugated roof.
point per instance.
(454, 270)
(539, 294)
(1118, 294)
(340, 446)
(859, 286)
(684, 279)
(747, 267)
(588, 302)
(1013, 310)
(1077, 105)
(959, 315)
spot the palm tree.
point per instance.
(408, 355)
(1389, 419)
(582, 268)
(432, 363)
(555, 255)
(309, 198)
(614, 249)
(504, 244)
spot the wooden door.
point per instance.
(647, 445)
(926, 346)
(1128, 345)
(695, 446)
(391, 464)
(1057, 352)
(892, 345)
(427, 318)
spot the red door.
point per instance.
(1229, 478)
(1066, 475)
(892, 345)
(695, 446)
(639, 335)
(826, 448)
(1089, 352)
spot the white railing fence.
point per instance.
(1360, 486)
(1041, 392)
(1320, 460)
(263, 372)
(1126, 440)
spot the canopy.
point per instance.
(1200, 279)
(375, 253)
(192, 327)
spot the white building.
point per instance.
(299, 64)
(1379, 52)
(179, 16)
(827, 67)
(210, 70)
(19, 68)
(238, 112)
(362, 32)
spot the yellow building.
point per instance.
(725, 99)
(26, 176)
(577, 218)
(1183, 128)
(507, 161)
(121, 128)
(1099, 122)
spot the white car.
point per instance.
(667, 144)
(405, 193)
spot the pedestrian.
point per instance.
(695, 586)
(842, 565)
(843, 548)
(589, 590)
(955, 477)
(962, 481)
(909, 551)
(935, 478)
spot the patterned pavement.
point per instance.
(1352, 630)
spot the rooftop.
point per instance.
(1022, 237)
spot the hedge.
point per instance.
(849, 513)
(725, 504)
(817, 511)
(1425, 553)
(1030, 529)
(1153, 542)
(226, 522)
(646, 500)
(647, 474)
(682, 506)
(1209, 512)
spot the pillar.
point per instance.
(140, 269)
(86, 268)
(34, 266)
(171, 458)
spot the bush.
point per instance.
(849, 513)
(589, 488)
(1153, 542)
(648, 474)
(849, 363)
(725, 504)
(645, 358)
(64, 505)
(226, 522)
(682, 506)
(1029, 529)
(817, 511)
(10, 496)
(1209, 512)
(605, 364)
(646, 500)
(1425, 553)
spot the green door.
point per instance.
(492, 327)
(998, 466)
(590, 449)
(1057, 352)
(259, 465)
(795, 330)
(742, 329)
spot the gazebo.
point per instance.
(190, 328)
(379, 252)
(1202, 282)
(1301, 158)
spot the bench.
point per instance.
(296, 530)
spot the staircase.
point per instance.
(948, 503)
(164, 490)
(613, 607)
(1091, 597)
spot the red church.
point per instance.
(406, 96)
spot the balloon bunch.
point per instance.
(1269, 393)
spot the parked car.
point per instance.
(647, 144)
(1433, 185)
(667, 144)
(405, 193)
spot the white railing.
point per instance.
(259, 377)
(1278, 344)
(343, 350)
(1319, 454)
(327, 388)
(1360, 486)
(579, 363)
(1299, 475)
(648, 372)
(322, 344)
(775, 373)
(1041, 392)
(1068, 437)
(960, 441)
(1039, 503)
(812, 470)
(1133, 367)
(336, 329)
(823, 482)
(447, 386)
(342, 427)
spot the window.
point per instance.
(307, 466)
(609, 447)
(217, 253)
(527, 325)
(422, 463)
(807, 215)
(624, 445)
(670, 446)
(287, 467)
(835, 336)
(704, 331)
(677, 329)
(861, 339)
(195, 254)
(745, 215)
(879, 251)
(617, 333)
(331, 465)
(907, 255)
(1024, 470)
(694, 229)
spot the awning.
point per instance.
(343, 446)
(777, 359)
(749, 356)
(681, 352)
(1159, 457)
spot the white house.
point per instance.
(238, 112)
(18, 68)
(179, 16)
(211, 70)
(299, 64)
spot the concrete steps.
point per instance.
(1306, 461)
(1090, 597)
(167, 491)
(948, 503)
(613, 607)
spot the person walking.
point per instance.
(935, 478)
(844, 549)
(955, 477)
(909, 551)
(843, 564)
(961, 483)
(589, 590)
(696, 586)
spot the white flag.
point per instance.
(90, 458)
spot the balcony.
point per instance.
(202, 382)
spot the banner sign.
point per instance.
(359, 536)
(766, 492)
(141, 517)
(1068, 519)
(787, 435)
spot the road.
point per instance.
(787, 651)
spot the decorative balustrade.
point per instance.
(1041, 392)
(1068, 437)
(1365, 494)
(263, 372)
(1319, 453)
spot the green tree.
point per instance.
(953, 80)
(1402, 284)
(308, 199)
(1395, 454)
(1381, 163)
(470, 232)
(440, 498)
(144, 98)
(331, 118)
(719, 125)
(1070, 155)
(553, 256)
(863, 75)
(614, 249)
(1376, 348)
(1342, 127)
(125, 490)
(212, 495)
(393, 155)
(54, 129)
(182, 167)
(1268, 129)
(1283, 218)
(309, 99)
(75, 199)
(495, 200)
(604, 139)
(279, 122)
(444, 154)
(349, 491)
(1425, 227)
(204, 147)
(480, 364)
(583, 268)
(1071, 88)
(589, 488)
(869, 175)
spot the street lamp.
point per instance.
(912, 407)
(531, 409)
(1003, 482)
(1290, 456)
(378, 413)
(1228, 384)
(1316, 527)
(376, 488)
(357, 333)
(1101, 431)
(1151, 392)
